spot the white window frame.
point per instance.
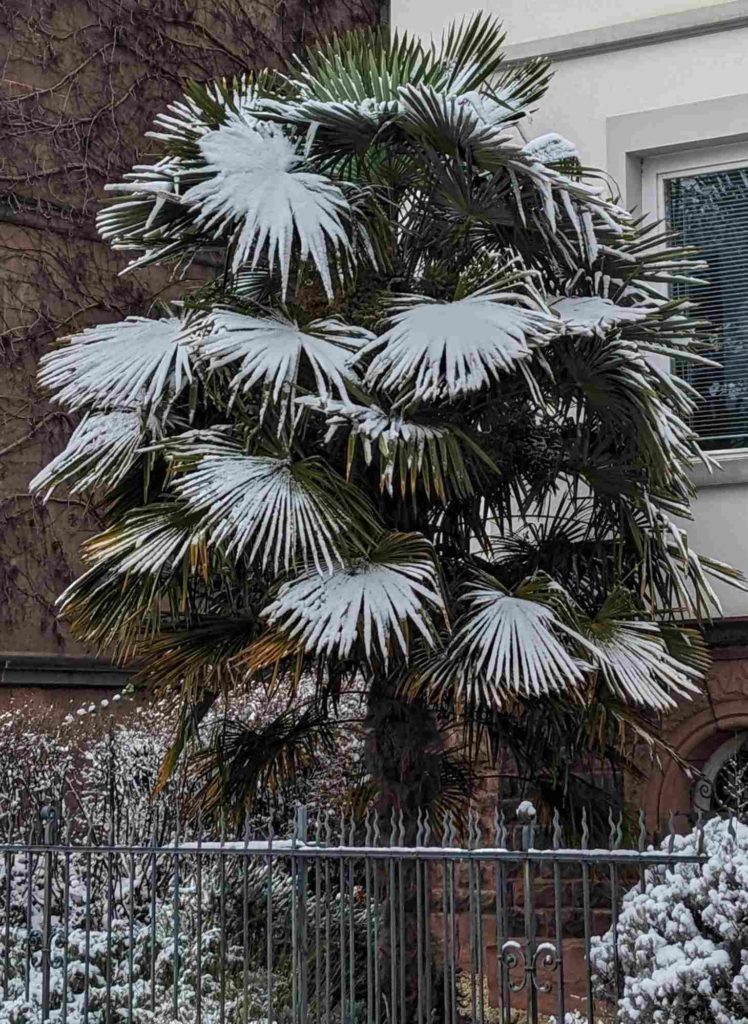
(656, 170)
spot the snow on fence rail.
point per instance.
(375, 921)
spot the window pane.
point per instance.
(710, 211)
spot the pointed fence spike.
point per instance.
(367, 827)
(642, 831)
(557, 832)
(426, 828)
(447, 828)
(474, 829)
(401, 829)
(585, 830)
(671, 831)
(419, 829)
(611, 829)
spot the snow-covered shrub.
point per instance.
(99, 769)
(683, 940)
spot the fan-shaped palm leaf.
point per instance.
(415, 452)
(514, 644)
(590, 314)
(449, 348)
(135, 361)
(271, 352)
(257, 187)
(277, 510)
(140, 565)
(446, 125)
(633, 658)
(372, 600)
(470, 53)
(101, 450)
(246, 760)
(361, 66)
(147, 541)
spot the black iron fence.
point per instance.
(343, 921)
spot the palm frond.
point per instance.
(101, 451)
(469, 53)
(360, 67)
(278, 511)
(148, 541)
(508, 645)
(245, 762)
(272, 352)
(374, 601)
(589, 314)
(134, 362)
(189, 662)
(633, 658)
(445, 349)
(413, 451)
(254, 185)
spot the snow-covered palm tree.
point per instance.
(414, 436)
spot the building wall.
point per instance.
(536, 19)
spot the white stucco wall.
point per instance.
(535, 19)
(585, 97)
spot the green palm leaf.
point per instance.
(278, 511)
(374, 601)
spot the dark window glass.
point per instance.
(710, 211)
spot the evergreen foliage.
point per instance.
(414, 438)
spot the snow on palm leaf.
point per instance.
(147, 541)
(633, 658)
(429, 453)
(280, 512)
(135, 361)
(258, 189)
(634, 661)
(271, 352)
(101, 450)
(513, 644)
(590, 314)
(373, 600)
(550, 148)
(450, 348)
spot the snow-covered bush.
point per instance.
(99, 770)
(683, 940)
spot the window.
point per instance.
(723, 786)
(703, 197)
